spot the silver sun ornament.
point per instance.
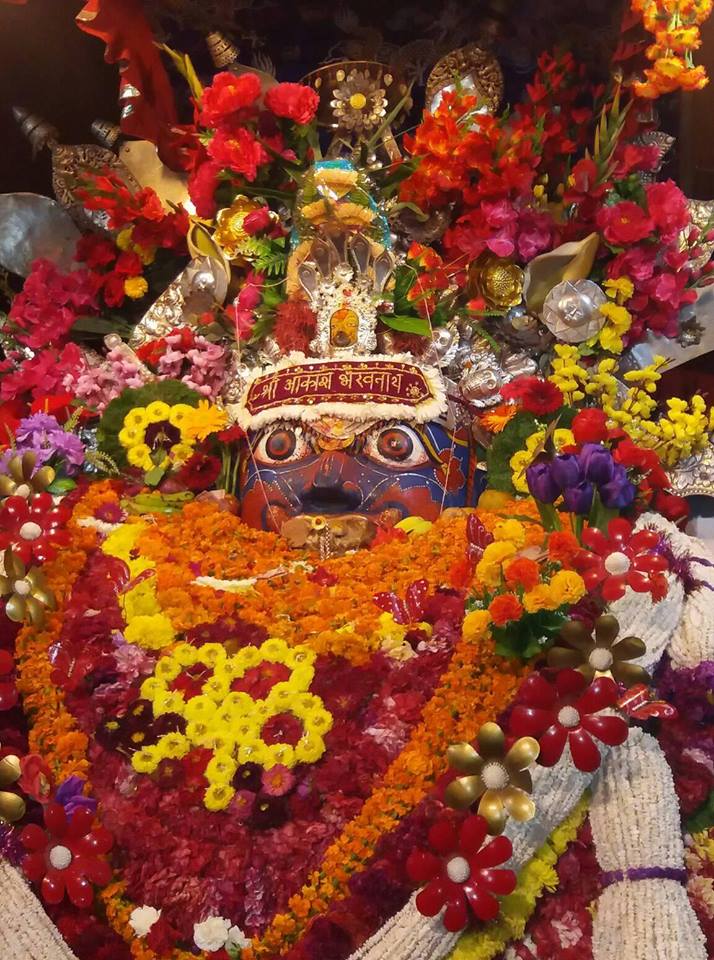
(572, 310)
(359, 103)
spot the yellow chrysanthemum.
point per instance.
(221, 768)
(510, 530)
(140, 456)
(567, 586)
(476, 624)
(218, 796)
(178, 414)
(157, 411)
(203, 420)
(540, 598)
(152, 632)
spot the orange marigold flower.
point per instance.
(505, 609)
(563, 547)
(496, 420)
(522, 572)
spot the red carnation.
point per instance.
(589, 426)
(624, 223)
(226, 96)
(239, 151)
(667, 206)
(534, 394)
(292, 101)
(199, 472)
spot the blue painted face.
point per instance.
(391, 469)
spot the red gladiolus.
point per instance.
(460, 873)
(534, 394)
(566, 713)
(67, 856)
(622, 559)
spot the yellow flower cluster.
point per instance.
(146, 626)
(192, 423)
(125, 241)
(392, 636)
(682, 431)
(618, 321)
(229, 722)
(522, 459)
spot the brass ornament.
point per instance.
(497, 280)
(12, 806)
(497, 778)
(329, 536)
(601, 654)
(223, 52)
(471, 68)
(20, 481)
(26, 591)
(229, 235)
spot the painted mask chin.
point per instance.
(385, 472)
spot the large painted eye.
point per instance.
(396, 446)
(281, 444)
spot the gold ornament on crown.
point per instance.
(474, 70)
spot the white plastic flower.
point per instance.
(142, 919)
(211, 934)
(237, 940)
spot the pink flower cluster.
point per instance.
(50, 302)
(98, 384)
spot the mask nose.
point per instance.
(331, 491)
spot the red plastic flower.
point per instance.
(534, 394)
(622, 559)
(33, 528)
(567, 711)
(460, 873)
(624, 223)
(294, 101)
(227, 95)
(67, 856)
(589, 426)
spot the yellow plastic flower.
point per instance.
(181, 452)
(620, 289)
(157, 410)
(519, 463)
(135, 287)
(203, 420)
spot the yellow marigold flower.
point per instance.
(218, 796)
(122, 541)
(171, 701)
(174, 746)
(492, 499)
(152, 632)
(181, 452)
(567, 587)
(141, 601)
(200, 708)
(123, 238)
(203, 420)
(519, 463)
(135, 287)
(476, 624)
(510, 530)
(498, 552)
(539, 598)
(157, 411)
(147, 255)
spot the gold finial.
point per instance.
(223, 52)
(106, 133)
(476, 69)
(38, 131)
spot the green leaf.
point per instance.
(504, 445)
(404, 280)
(406, 324)
(60, 486)
(99, 325)
(703, 818)
(154, 476)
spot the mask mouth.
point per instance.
(331, 500)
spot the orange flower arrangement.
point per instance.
(522, 572)
(505, 608)
(675, 26)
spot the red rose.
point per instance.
(227, 95)
(292, 101)
(624, 223)
(239, 151)
(534, 394)
(589, 426)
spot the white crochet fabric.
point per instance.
(26, 932)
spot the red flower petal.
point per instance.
(33, 837)
(422, 866)
(537, 692)
(34, 866)
(614, 587)
(432, 898)
(601, 693)
(497, 851)
(484, 906)
(610, 730)
(95, 843)
(644, 540)
(596, 541)
(79, 890)
(501, 882)
(443, 836)
(81, 823)
(585, 754)
(56, 819)
(472, 835)
(552, 744)
(529, 722)
(569, 682)
(639, 582)
(456, 915)
(619, 530)
(53, 886)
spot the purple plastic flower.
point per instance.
(541, 483)
(619, 492)
(578, 499)
(566, 471)
(69, 794)
(597, 463)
